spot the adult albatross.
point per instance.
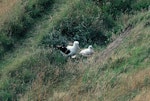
(69, 50)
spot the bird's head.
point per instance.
(90, 47)
(76, 43)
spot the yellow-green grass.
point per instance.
(131, 58)
(124, 75)
(30, 47)
(41, 29)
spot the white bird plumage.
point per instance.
(73, 49)
(70, 50)
(87, 52)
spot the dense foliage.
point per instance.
(34, 72)
(93, 23)
(86, 23)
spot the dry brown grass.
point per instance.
(38, 91)
(143, 96)
(76, 91)
(67, 95)
(128, 83)
(137, 80)
(6, 7)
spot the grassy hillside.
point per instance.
(35, 70)
(17, 17)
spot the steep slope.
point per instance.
(108, 51)
(118, 73)
(122, 76)
(15, 67)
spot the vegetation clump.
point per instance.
(36, 71)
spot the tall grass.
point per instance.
(19, 19)
(38, 72)
(13, 64)
(128, 59)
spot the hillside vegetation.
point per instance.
(31, 69)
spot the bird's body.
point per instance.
(63, 49)
(87, 52)
(69, 50)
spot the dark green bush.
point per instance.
(5, 43)
(116, 7)
(84, 31)
(5, 96)
(83, 23)
(53, 39)
(36, 8)
(141, 5)
(70, 31)
(112, 9)
(108, 21)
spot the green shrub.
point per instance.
(82, 23)
(140, 5)
(5, 43)
(5, 96)
(53, 39)
(84, 31)
(35, 8)
(108, 21)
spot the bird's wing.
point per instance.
(83, 51)
(69, 47)
(86, 52)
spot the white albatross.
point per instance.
(87, 52)
(70, 50)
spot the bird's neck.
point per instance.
(75, 47)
